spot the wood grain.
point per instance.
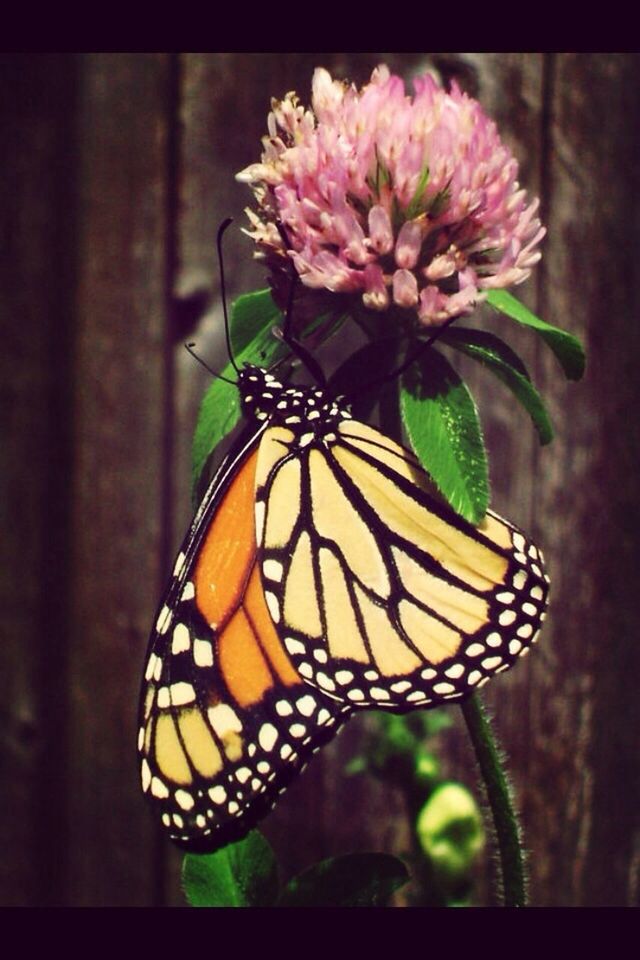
(37, 97)
(120, 466)
(121, 167)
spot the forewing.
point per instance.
(226, 722)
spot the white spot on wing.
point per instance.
(475, 650)
(164, 619)
(505, 597)
(491, 663)
(177, 570)
(218, 794)
(159, 789)
(146, 775)
(519, 579)
(151, 663)
(306, 705)
(506, 617)
(181, 693)
(273, 569)
(418, 697)
(273, 605)
(455, 671)
(181, 640)
(294, 646)
(202, 653)
(189, 591)
(344, 676)
(224, 720)
(267, 736)
(184, 800)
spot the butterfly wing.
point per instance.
(225, 720)
(381, 593)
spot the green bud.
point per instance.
(450, 832)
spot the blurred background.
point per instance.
(117, 170)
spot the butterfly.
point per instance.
(322, 573)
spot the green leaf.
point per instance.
(243, 874)
(354, 880)
(251, 314)
(442, 423)
(498, 357)
(568, 350)
(253, 317)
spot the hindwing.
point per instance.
(382, 595)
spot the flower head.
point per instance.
(402, 200)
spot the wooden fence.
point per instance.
(118, 169)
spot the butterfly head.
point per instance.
(299, 408)
(260, 392)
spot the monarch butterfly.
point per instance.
(321, 574)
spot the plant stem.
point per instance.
(495, 780)
(507, 827)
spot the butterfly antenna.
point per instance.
(223, 290)
(189, 348)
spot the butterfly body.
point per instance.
(322, 573)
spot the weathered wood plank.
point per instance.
(510, 89)
(36, 288)
(584, 709)
(119, 477)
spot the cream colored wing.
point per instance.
(382, 595)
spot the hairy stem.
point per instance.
(499, 795)
(491, 765)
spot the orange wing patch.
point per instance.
(227, 721)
